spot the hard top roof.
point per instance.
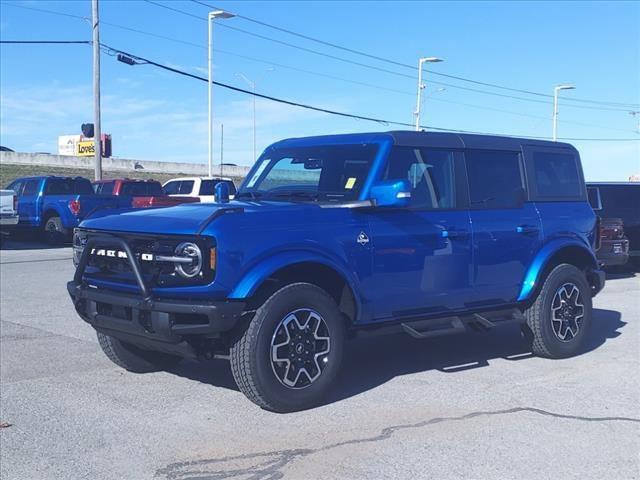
(422, 139)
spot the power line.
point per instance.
(110, 50)
(324, 110)
(42, 42)
(380, 69)
(412, 67)
(297, 47)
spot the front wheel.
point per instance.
(559, 320)
(289, 355)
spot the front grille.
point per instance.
(108, 262)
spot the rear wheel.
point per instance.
(135, 359)
(289, 356)
(559, 319)
(54, 232)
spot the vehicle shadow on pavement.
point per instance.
(372, 361)
(28, 241)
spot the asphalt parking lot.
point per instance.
(476, 406)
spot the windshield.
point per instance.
(327, 173)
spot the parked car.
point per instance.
(8, 212)
(200, 187)
(614, 245)
(414, 232)
(55, 205)
(620, 200)
(143, 193)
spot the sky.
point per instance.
(46, 90)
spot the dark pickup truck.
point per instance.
(143, 193)
(56, 205)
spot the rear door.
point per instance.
(29, 203)
(506, 226)
(422, 253)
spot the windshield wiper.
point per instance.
(295, 194)
(251, 195)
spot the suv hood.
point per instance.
(185, 219)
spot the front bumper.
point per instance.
(155, 319)
(171, 325)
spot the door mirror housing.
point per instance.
(391, 193)
(222, 192)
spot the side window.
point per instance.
(186, 186)
(31, 187)
(107, 188)
(16, 187)
(171, 188)
(430, 173)
(208, 187)
(556, 175)
(594, 198)
(495, 179)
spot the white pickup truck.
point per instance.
(197, 187)
(8, 211)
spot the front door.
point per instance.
(506, 227)
(422, 253)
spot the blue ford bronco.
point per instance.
(415, 232)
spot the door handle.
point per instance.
(454, 234)
(527, 229)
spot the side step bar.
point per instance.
(451, 325)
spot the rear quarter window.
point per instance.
(208, 187)
(140, 189)
(556, 176)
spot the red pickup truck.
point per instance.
(143, 193)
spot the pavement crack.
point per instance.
(270, 465)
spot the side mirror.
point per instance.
(222, 192)
(391, 193)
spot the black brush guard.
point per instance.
(142, 319)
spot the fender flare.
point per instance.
(542, 258)
(47, 209)
(251, 280)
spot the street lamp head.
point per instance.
(221, 14)
(565, 87)
(431, 59)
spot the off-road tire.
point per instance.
(135, 359)
(54, 233)
(539, 330)
(251, 354)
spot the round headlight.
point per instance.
(191, 251)
(79, 242)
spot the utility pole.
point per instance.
(421, 86)
(97, 132)
(556, 91)
(252, 84)
(221, 146)
(634, 115)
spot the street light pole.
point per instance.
(212, 16)
(635, 114)
(97, 134)
(556, 91)
(252, 84)
(421, 86)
